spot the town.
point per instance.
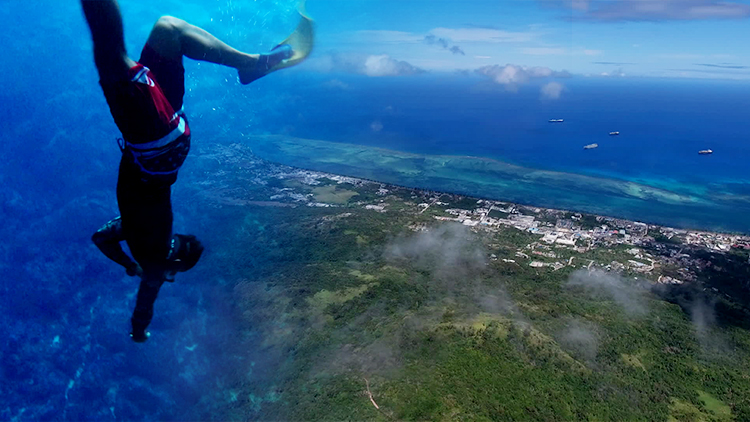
(557, 231)
(557, 238)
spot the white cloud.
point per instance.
(384, 65)
(592, 52)
(370, 65)
(552, 90)
(512, 75)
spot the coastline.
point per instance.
(488, 178)
(532, 268)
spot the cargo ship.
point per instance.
(614, 133)
(705, 152)
(555, 120)
(591, 146)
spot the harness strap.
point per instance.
(163, 142)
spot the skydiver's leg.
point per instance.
(144, 305)
(108, 239)
(105, 23)
(146, 211)
(173, 38)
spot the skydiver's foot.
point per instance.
(265, 63)
(140, 336)
(184, 253)
(169, 275)
(134, 270)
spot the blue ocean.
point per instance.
(662, 124)
(64, 308)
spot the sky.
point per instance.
(614, 38)
(602, 38)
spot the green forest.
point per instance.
(389, 314)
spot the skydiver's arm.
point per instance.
(105, 23)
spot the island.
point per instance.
(379, 302)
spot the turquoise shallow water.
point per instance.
(684, 206)
(650, 172)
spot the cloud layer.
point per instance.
(370, 65)
(512, 76)
(657, 10)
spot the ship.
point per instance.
(591, 146)
(555, 120)
(705, 152)
(614, 133)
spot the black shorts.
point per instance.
(144, 200)
(170, 74)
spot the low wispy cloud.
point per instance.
(370, 65)
(376, 126)
(512, 76)
(336, 84)
(579, 337)
(448, 252)
(702, 309)
(453, 258)
(552, 91)
(625, 292)
(655, 10)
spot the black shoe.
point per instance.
(169, 275)
(184, 253)
(140, 337)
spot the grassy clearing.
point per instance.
(332, 194)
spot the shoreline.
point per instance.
(491, 179)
